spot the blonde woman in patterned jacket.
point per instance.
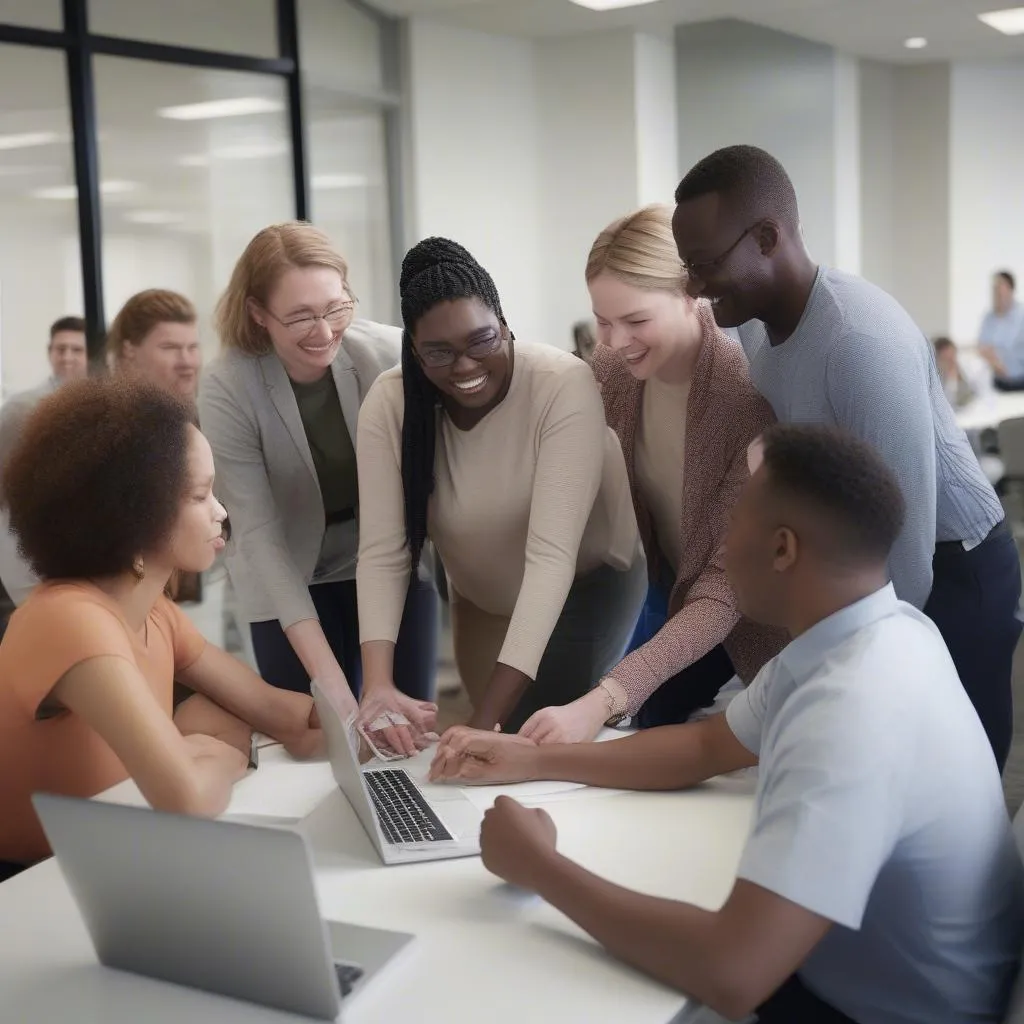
(677, 393)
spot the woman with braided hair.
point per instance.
(499, 454)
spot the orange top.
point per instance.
(61, 625)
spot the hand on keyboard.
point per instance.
(397, 724)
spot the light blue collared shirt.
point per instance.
(879, 807)
(1005, 333)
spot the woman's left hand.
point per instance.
(578, 722)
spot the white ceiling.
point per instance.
(866, 28)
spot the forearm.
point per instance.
(378, 664)
(214, 777)
(312, 649)
(676, 943)
(671, 757)
(506, 686)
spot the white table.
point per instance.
(483, 952)
(991, 410)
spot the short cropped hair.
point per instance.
(1008, 278)
(841, 477)
(751, 178)
(67, 323)
(97, 476)
(941, 344)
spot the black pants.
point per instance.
(335, 603)
(695, 687)
(974, 600)
(795, 1004)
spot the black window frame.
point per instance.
(81, 46)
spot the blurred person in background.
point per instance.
(155, 337)
(69, 360)
(1001, 338)
(584, 340)
(964, 379)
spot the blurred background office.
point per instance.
(142, 144)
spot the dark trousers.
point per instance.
(690, 689)
(335, 603)
(974, 601)
(796, 1004)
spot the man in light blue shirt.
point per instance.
(829, 347)
(880, 882)
(1001, 338)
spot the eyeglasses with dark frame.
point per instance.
(303, 326)
(702, 267)
(437, 358)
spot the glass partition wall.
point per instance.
(142, 144)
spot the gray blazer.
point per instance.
(265, 473)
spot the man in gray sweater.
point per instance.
(829, 347)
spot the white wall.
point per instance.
(986, 145)
(739, 83)
(657, 118)
(474, 140)
(588, 162)
(877, 164)
(524, 150)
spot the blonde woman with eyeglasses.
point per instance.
(280, 407)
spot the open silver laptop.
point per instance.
(212, 905)
(400, 821)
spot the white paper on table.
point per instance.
(281, 788)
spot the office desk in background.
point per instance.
(483, 951)
(991, 410)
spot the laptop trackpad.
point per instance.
(462, 817)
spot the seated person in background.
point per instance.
(110, 490)
(499, 454)
(880, 881)
(964, 380)
(1001, 338)
(583, 340)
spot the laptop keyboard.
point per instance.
(348, 975)
(403, 813)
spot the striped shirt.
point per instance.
(858, 361)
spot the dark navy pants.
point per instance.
(335, 603)
(974, 602)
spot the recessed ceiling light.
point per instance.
(915, 43)
(222, 108)
(1010, 21)
(153, 217)
(325, 182)
(609, 5)
(107, 188)
(26, 139)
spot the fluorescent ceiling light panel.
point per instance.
(107, 188)
(26, 139)
(915, 43)
(222, 108)
(326, 182)
(610, 5)
(1010, 21)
